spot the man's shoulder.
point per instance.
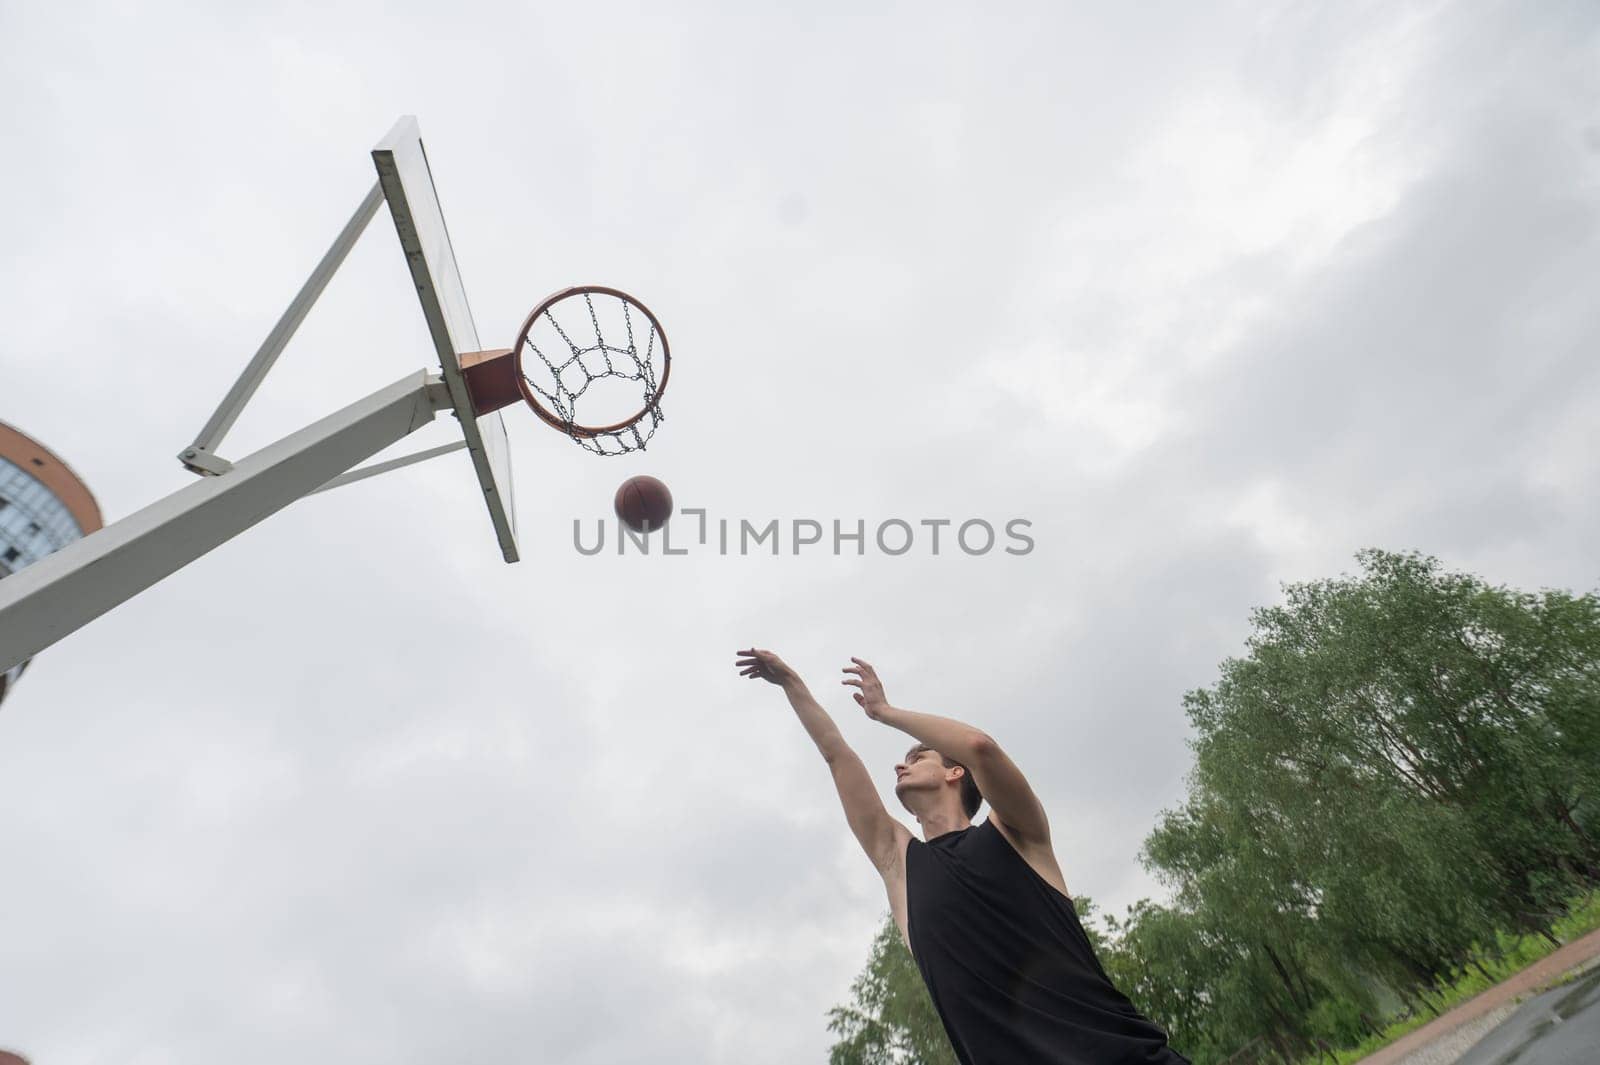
(1040, 857)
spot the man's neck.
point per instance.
(938, 822)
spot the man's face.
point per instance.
(922, 768)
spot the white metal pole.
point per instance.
(384, 467)
(66, 590)
(201, 456)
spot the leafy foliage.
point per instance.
(892, 1020)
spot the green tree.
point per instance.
(891, 1019)
(1171, 969)
(1403, 763)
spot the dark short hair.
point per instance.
(971, 797)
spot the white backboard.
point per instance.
(408, 186)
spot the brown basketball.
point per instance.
(643, 504)
(8, 1058)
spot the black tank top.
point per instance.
(1007, 962)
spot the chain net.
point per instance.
(602, 349)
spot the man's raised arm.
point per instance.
(764, 665)
(877, 832)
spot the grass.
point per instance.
(1514, 954)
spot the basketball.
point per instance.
(643, 504)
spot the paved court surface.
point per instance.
(1559, 1027)
(1443, 1040)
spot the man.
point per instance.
(983, 909)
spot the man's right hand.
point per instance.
(764, 665)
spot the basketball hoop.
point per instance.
(606, 349)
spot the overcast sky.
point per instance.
(1211, 297)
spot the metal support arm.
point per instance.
(201, 456)
(393, 464)
(66, 590)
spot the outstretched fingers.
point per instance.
(749, 663)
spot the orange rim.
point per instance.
(548, 416)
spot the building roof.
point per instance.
(47, 468)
